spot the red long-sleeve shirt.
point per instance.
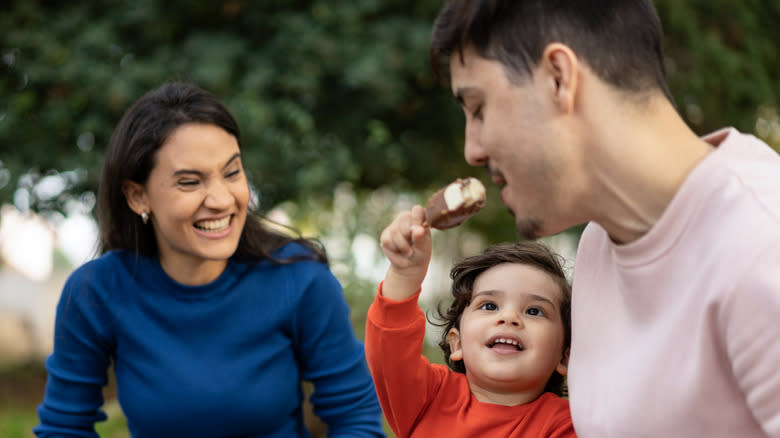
(425, 400)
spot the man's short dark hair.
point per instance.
(619, 40)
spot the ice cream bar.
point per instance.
(456, 202)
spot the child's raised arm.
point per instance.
(407, 244)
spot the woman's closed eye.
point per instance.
(233, 174)
(188, 182)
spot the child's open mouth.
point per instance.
(506, 344)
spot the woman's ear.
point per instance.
(453, 337)
(563, 366)
(135, 194)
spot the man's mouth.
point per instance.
(496, 176)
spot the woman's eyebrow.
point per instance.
(199, 173)
(188, 172)
(233, 158)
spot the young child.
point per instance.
(506, 341)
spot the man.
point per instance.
(676, 302)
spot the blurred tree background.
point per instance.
(325, 91)
(332, 97)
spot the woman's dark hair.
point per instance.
(620, 40)
(465, 273)
(131, 156)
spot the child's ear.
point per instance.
(563, 366)
(453, 337)
(135, 196)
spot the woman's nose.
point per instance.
(219, 196)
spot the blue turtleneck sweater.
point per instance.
(225, 359)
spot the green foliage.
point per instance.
(18, 422)
(326, 91)
(722, 60)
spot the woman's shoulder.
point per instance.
(95, 281)
(104, 269)
(298, 264)
(103, 263)
(295, 251)
(290, 249)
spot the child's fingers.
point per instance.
(402, 241)
(417, 215)
(421, 232)
(397, 237)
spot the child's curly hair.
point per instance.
(464, 274)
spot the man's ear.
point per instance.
(563, 366)
(135, 194)
(453, 337)
(561, 68)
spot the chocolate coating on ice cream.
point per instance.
(456, 202)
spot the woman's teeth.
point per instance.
(214, 225)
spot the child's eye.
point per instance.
(535, 311)
(488, 306)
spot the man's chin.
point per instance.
(529, 228)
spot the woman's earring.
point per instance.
(144, 217)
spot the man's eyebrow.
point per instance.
(199, 173)
(462, 92)
(459, 98)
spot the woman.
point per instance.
(210, 320)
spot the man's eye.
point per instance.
(233, 173)
(188, 182)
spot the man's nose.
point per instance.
(473, 150)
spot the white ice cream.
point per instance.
(466, 193)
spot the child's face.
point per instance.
(511, 335)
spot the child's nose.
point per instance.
(508, 317)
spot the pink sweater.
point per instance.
(678, 333)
